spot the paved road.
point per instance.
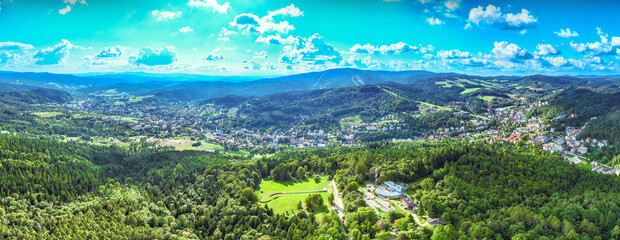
(298, 192)
(339, 207)
(337, 200)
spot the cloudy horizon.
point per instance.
(267, 38)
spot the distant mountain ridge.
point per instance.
(197, 88)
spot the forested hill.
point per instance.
(586, 103)
(326, 106)
(27, 98)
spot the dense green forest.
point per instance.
(59, 190)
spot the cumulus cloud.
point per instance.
(220, 8)
(510, 52)
(453, 54)
(492, 16)
(53, 55)
(64, 10)
(369, 63)
(6, 57)
(396, 48)
(604, 47)
(165, 15)
(546, 49)
(70, 3)
(224, 34)
(434, 21)
(14, 46)
(186, 29)
(445, 6)
(212, 57)
(276, 40)
(556, 61)
(452, 4)
(110, 52)
(154, 57)
(261, 54)
(313, 50)
(249, 22)
(566, 33)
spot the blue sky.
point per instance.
(254, 37)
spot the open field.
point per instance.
(46, 114)
(186, 144)
(470, 90)
(232, 112)
(350, 121)
(282, 203)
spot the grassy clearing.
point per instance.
(46, 114)
(232, 112)
(350, 121)
(425, 104)
(293, 186)
(240, 152)
(487, 98)
(585, 166)
(470, 90)
(284, 203)
(212, 146)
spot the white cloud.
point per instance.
(395, 48)
(14, 46)
(566, 33)
(249, 22)
(73, 2)
(212, 57)
(510, 52)
(70, 3)
(165, 15)
(224, 33)
(289, 11)
(53, 55)
(186, 29)
(220, 8)
(65, 10)
(6, 57)
(520, 20)
(615, 42)
(452, 4)
(261, 54)
(493, 16)
(434, 21)
(546, 49)
(453, 54)
(154, 57)
(313, 50)
(604, 47)
(109, 52)
(557, 61)
(276, 40)
(254, 65)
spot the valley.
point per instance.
(314, 163)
